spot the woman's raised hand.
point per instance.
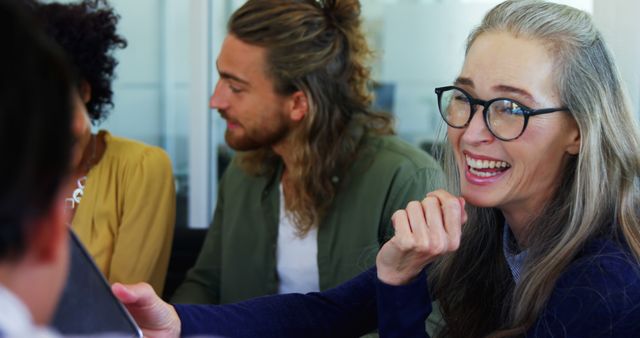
(423, 231)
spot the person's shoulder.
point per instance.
(128, 151)
(598, 293)
(236, 181)
(235, 172)
(605, 261)
(392, 149)
(607, 272)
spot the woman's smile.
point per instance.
(483, 170)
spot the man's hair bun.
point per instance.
(344, 14)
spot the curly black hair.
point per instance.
(87, 32)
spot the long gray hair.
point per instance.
(598, 195)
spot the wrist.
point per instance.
(396, 278)
(176, 325)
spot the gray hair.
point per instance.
(599, 193)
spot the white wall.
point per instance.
(420, 46)
(618, 22)
(152, 84)
(137, 88)
(423, 48)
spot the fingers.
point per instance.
(140, 294)
(463, 202)
(411, 226)
(155, 317)
(435, 225)
(448, 222)
(123, 294)
(418, 221)
(400, 222)
(465, 217)
(424, 231)
(432, 226)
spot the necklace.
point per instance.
(76, 196)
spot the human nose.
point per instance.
(477, 131)
(218, 99)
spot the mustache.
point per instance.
(225, 116)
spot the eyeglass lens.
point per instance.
(504, 118)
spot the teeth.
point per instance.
(485, 164)
(483, 173)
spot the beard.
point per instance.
(257, 138)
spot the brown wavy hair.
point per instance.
(317, 47)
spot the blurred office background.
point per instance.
(167, 73)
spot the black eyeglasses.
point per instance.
(505, 118)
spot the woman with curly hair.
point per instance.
(123, 197)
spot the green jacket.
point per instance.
(238, 257)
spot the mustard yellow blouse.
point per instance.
(127, 213)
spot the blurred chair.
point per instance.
(184, 252)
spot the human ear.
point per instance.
(573, 147)
(298, 106)
(48, 233)
(85, 91)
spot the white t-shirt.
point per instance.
(297, 258)
(16, 320)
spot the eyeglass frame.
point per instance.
(485, 111)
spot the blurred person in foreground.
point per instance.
(35, 146)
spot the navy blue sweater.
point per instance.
(597, 296)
